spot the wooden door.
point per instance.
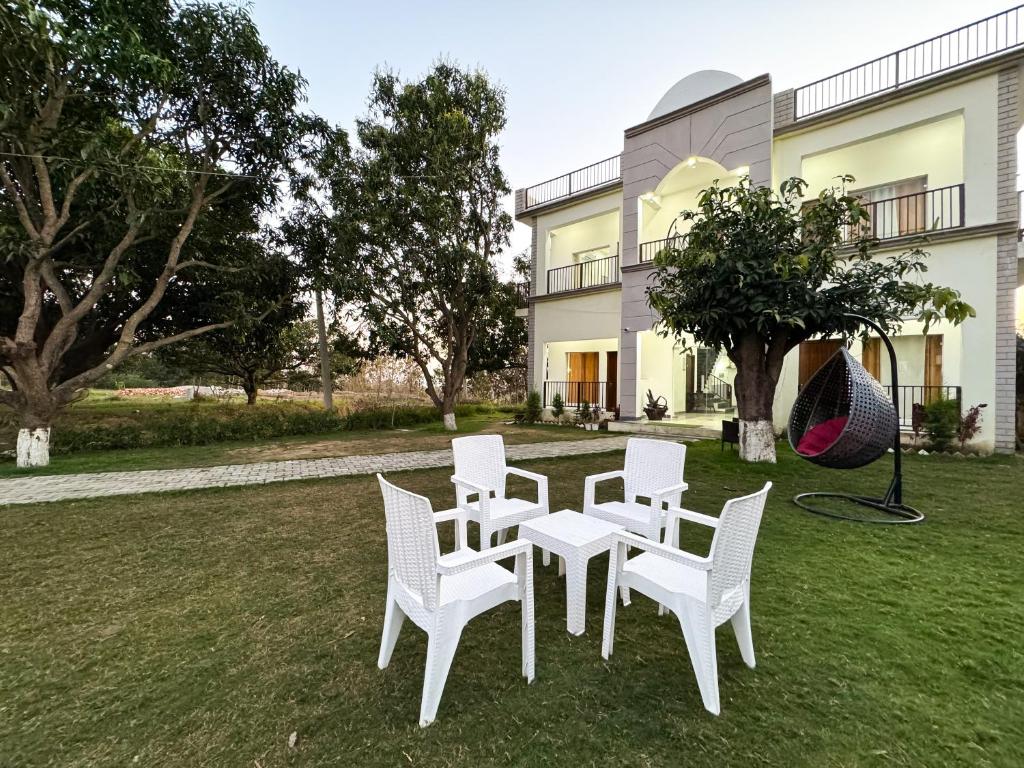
(813, 355)
(583, 368)
(871, 357)
(611, 396)
(932, 366)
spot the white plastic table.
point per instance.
(575, 538)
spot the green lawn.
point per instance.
(201, 629)
(415, 438)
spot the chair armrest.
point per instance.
(590, 485)
(540, 480)
(664, 495)
(527, 474)
(662, 550)
(468, 486)
(501, 552)
(693, 517)
(458, 516)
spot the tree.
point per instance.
(757, 274)
(429, 220)
(315, 229)
(123, 128)
(260, 344)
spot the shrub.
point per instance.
(533, 407)
(941, 422)
(970, 424)
(557, 406)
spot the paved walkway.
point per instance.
(29, 490)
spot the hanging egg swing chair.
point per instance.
(843, 419)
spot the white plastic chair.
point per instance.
(480, 471)
(703, 592)
(654, 470)
(441, 593)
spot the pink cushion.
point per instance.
(820, 438)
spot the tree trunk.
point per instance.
(33, 447)
(449, 420)
(326, 381)
(251, 390)
(755, 399)
(36, 406)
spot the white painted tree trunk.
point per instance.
(757, 441)
(34, 447)
(449, 422)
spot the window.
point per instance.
(592, 254)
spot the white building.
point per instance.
(930, 134)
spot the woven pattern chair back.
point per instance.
(481, 460)
(732, 549)
(652, 465)
(412, 542)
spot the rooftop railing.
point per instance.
(972, 42)
(581, 180)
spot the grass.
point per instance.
(201, 629)
(308, 446)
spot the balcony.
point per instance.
(652, 248)
(586, 274)
(916, 393)
(919, 213)
(970, 43)
(522, 295)
(602, 393)
(591, 177)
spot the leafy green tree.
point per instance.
(757, 274)
(263, 342)
(126, 129)
(428, 222)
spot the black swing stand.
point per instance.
(893, 510)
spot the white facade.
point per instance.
(936, 157)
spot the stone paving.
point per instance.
(30, 490)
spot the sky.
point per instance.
(576, 74)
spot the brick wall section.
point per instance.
(531, 312)
(783, 108)
(1004, 411)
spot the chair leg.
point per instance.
(485, 538)
(501, 536)
(700, 643)
(741, 626)
(441, 646)
(529, 647)
(624, 594)
(545, 557)
(394, 617)
(610, 604)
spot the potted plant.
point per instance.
(585, 416)
(656, 407)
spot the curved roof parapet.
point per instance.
(693, 88)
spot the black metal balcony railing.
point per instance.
(595, 175)
(586, 274)
(651, 248)
(972, 42)
(718, 387)
(916, 393)
(574, 393)
(917, 213)
(522, 295)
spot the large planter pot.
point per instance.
(656, 414)
(590, 426)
